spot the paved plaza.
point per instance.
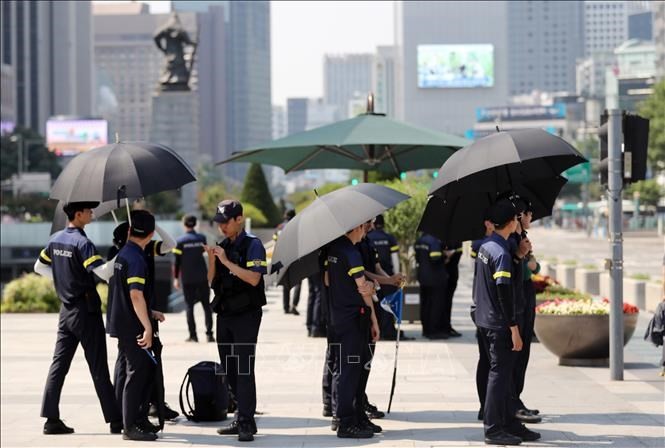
(435, 402)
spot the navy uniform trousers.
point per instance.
(136, 388)
(87, 328)
(499, 412)
(526, 323)
(354, 355)
(197, 292)
(236, 344)
(330, 366)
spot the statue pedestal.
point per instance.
(175, 123)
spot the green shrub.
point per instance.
(641, 276)
(570, 262)
(257, 216)
(30, 293)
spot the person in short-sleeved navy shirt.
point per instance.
(345, 264)
(494, 263)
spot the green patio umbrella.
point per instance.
(368, 142)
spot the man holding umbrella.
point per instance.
(495, 319)
(235, 270)
(70, 259)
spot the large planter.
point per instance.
(411, 309)
(581, 339)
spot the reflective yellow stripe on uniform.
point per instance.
(176, 251)
(435, 254)
(460, 250)
(91, 260)
(501, 274)
(44, 256)
(474, 254)
(394, 248)
(256, 263)
(356, 270)
(139, 280)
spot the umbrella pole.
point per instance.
(129, 218)
(392, 387)
(115, 218)
(365, 176)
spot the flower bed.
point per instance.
(558, 292)
(581, 306)
(541, 282)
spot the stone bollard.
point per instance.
(587, 281)
(605, 284)
(653, 296)
(566, 276)
(634, 292)
(551, 271)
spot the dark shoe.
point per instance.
(246, 432)
(116, 427)
(147, 426)
(373, 412)
(211, 338)
(136, 433)
(481, 414)
(334, 424)
(318, 334)
(354, 432)
(231, 429)
(525, 417)
(502, 438)
(437, 336)
(192, 339)
(524, 433)
(327, 411)
(169, 414)
(532, 411)
(454, 333)
(294, 312)
(368, 424)
(56, 426)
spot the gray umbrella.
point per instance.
(329, 217)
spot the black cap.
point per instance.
(289, 214)
(73, 207)
(120, 234)
(502, 212)
(226, 210)
(378, 221)
(143, 223)
(189, 221)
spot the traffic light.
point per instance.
(635, 145)
(435, 174)
(402, 175)
(354, 181)
(635, 133)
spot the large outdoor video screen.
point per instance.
(68, 137)
(455, 66)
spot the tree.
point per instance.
(653, 108)
(38, 158)
(302, 199)
(649, 190)
(209, 197)
(256, 192)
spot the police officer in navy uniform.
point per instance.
(70, 259)
(453, 252)
(236, 269)
(190, 265)
(495, 318)
(353, 316)
(128, 320)
(432, 277)
(286, 292)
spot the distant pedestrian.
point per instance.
(286, 292)
(433, 280)
(190, 274)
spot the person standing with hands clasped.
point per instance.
(353, 316)
(129, 321)
(235, 271)
(495, 319)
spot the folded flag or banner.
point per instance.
(393, 304)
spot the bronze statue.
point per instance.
(172, 39)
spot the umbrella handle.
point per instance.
(115, 218)
(129, 215)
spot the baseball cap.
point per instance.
(190, 221)
(502, 212)
(120, 234)
(226, 210)
(143, 223)
(379, 221)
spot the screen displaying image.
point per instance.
(70, 137)
(455, 66)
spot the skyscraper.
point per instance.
(47, 60)
(659, 37)
(236, 82)
(605, 25)
(383, 80)
(346, 77)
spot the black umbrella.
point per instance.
(122, 170)
(327, 218)
(461, 218)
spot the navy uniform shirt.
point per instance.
(152, 249)
(130, 273)
(368, 254)
(430, 261)
(475, 247)
(256, 255)
(72, 257)
(345, 265)
(385, 245)
(189, 258)
(493, 267)
(518, 274)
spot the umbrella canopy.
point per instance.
(368, 142)
(461, 219)
(500, 161)
(124, 169)
(327, 218)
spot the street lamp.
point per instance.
(21, 141)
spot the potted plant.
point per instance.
(577, 330)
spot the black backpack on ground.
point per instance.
(211, 394)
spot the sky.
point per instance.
(304, 31)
